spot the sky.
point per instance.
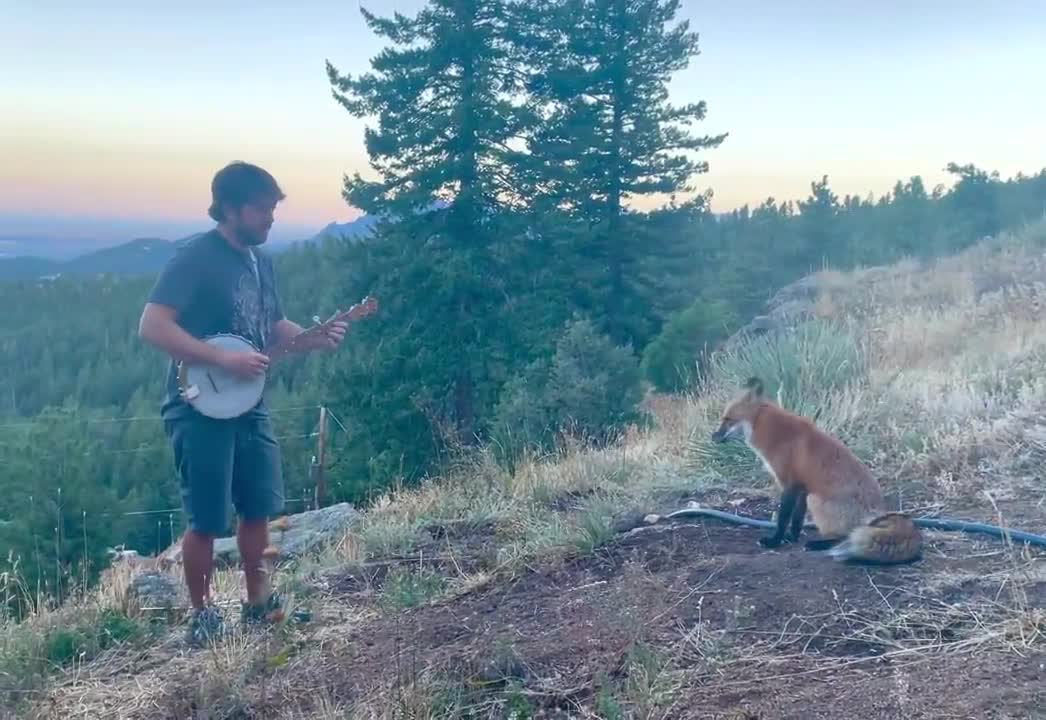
(115, 115)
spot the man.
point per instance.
(221, 283)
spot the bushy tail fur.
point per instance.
(887, 539)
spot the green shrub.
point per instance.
(407, 587)
(31, 650)
(671, 362)
(801, 368)
(589, 388)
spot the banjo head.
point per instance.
(217, 393)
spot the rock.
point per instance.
(309, 530)
(153, 590)
(801, 292)
(652, 519)
(292, 535)
(789, 306)
(628, 520)
(761, 324)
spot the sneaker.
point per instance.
(271, 611)
(206, 626)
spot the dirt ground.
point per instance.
(693, 619)
(742, 632)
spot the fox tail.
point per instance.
(887, 539)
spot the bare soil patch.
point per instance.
(773, 634)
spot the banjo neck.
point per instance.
(294, 345)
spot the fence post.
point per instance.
(320, 462)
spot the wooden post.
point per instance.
(321, 460)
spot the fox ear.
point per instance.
(754, 386)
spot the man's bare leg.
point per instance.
(252, 537)
(198, 566)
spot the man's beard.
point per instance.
(249, 237)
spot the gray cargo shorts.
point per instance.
(226, 464)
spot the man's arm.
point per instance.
(284, 330)
(282, 333)
(158, 326)
(174, 291)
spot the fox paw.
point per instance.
(770, 542)
(819, 545)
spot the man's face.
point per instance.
(252, 222)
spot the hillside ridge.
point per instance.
(147, 255)
(542, 590)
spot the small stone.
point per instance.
(652, 519)
(153, 590)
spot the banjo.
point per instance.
(217, 393)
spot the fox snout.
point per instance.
(722, 433)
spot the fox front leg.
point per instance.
(789, 498)
(798, 515)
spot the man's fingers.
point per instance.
(259, 363)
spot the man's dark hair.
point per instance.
(238, 184)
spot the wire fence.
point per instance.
(170, 519)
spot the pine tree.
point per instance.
(600, 70)
(444, 110)
(819, 222)
(443, 96)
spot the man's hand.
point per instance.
(288, 333)
(245, 364)
(334, 335)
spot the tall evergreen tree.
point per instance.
(443, 102)
(600, 70)
(441, 148)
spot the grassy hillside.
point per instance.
(486, 593)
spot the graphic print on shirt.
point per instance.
(248, 313)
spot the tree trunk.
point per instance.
(613, 242)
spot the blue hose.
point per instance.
(932, 523)
(973, 527)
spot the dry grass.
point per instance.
(908, 628)
(933, 374)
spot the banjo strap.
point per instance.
(263, 311)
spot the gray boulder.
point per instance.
(305, 532)
(152, 590)
(789, 306)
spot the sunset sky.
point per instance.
(114, 115)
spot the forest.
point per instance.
(522, 293)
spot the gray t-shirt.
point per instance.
(217, 289)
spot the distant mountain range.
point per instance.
(137, 257)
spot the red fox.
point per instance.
(816, 471)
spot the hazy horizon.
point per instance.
(129, 228)
(120, 115)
